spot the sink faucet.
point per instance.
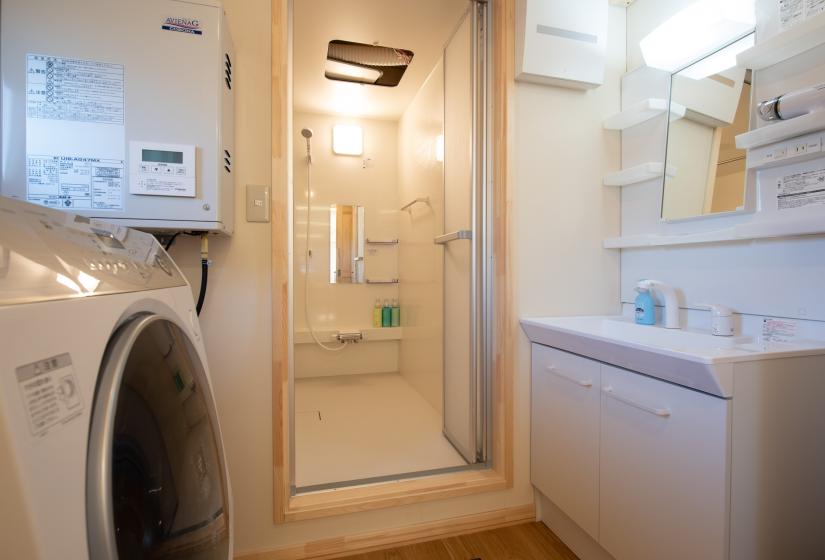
(671, 301)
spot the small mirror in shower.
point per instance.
(346, 244)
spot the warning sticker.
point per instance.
(75, 133)
(791, 12)
(801, 189)
(50, 393)
(778, 330)
(75, 182)
(74, 90)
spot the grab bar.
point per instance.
(425, 200)
(447, 237)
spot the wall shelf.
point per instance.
(372, 334)
(782, 130)
(742, 232)
(642, 111)
(637, 174)
(794, 41)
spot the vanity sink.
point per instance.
(689, 358)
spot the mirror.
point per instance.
(346, 244)
(710, 106)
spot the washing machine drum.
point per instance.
(155, 485)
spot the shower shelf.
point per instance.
(382, 241)
(371, 334)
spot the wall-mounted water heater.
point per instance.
(121, 110)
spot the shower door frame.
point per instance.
(498, 472)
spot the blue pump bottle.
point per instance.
(645, 307)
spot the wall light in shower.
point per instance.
(347, 140)
(439, 148)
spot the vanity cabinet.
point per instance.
(640, 464)
(663, 469)
(564, 463)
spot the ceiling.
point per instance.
(422, 26)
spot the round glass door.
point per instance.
(156, 486)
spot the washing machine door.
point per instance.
(156, 478)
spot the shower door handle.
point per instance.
(447, 237)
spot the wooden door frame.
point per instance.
(436, 487)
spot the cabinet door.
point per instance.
(564, 444)
(664, 470)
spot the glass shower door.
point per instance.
(463, 240)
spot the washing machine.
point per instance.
(110, 445)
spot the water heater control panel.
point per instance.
(162, 169)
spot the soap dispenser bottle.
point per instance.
(377, 313)
(396, 313)
(386, 314)
(645, 306)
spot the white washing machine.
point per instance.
(109, 440)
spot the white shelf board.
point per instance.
(372, 334)
(798, 39)
(743, 232)
(782, 130)
(642, 111)
(637, 174)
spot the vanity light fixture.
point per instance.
(700, 29)
(347, 140)
(718, 61)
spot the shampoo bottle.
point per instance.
(377, 313)
(386, 314)
(645, 307)
(396, 313)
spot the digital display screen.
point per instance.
(162, 156)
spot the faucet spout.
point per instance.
(671, 301)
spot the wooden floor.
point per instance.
(531, 541)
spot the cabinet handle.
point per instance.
(582, 383)
(660, 412)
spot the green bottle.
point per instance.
(386, 314)
(396, 313)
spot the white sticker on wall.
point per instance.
(778, 330)
(75, 133)
(801, 189)
(50, 393)
(791, 12)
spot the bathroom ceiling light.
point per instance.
(699, 29)
(347, 140)
(345, 72)
(719, 61)
(366, 64)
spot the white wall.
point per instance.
(346, 180)
(774, 277)
(420, 174)
(559, 155)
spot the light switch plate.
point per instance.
(257, 203)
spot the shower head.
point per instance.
(307, 133)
